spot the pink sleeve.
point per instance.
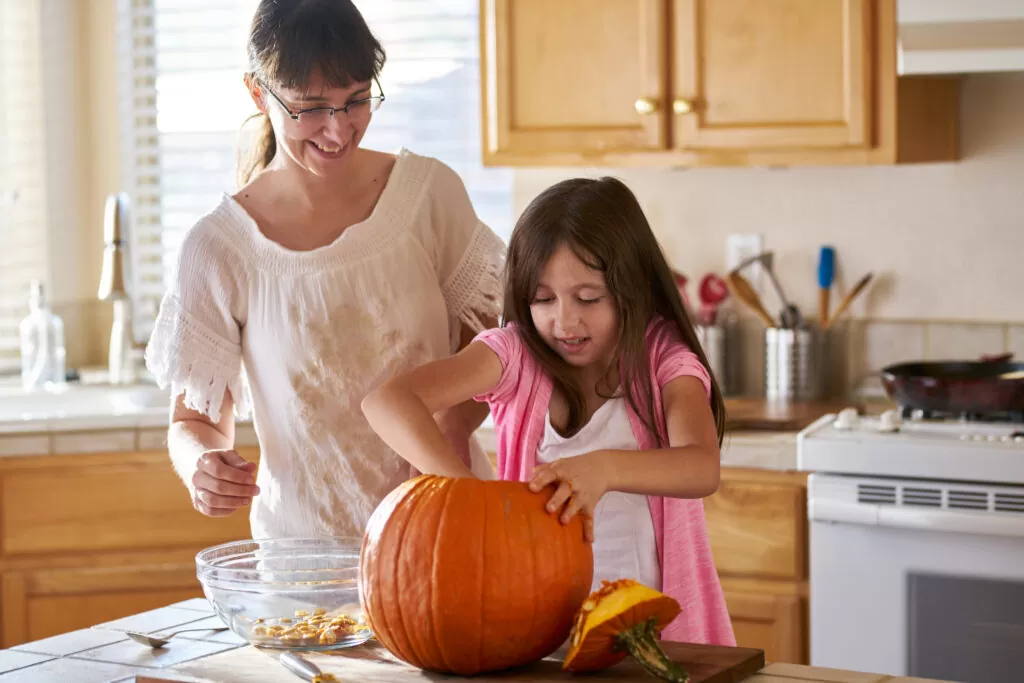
(507, 345)
(673, 358)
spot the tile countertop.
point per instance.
(103, 654)
(90, 419)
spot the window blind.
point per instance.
(22, 170)
(184, 103)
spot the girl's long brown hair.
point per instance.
(288, 40)
(602, 222)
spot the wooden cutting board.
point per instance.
(371, 663)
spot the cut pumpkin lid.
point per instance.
(623, 617)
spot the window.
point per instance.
(184, 104)
(22, 171)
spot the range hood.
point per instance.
(960, 36)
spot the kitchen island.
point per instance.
(103, 654)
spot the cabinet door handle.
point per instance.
(681, 106)
(645, 106)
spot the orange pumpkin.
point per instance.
(623, 617)
(466, 576)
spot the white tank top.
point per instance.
(624, 543)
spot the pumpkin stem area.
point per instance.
(641, 643)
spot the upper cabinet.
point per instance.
(705, 82)
(758, 74)
(553, 89)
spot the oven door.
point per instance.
(917, 578)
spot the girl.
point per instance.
(333, 268)
(596, 382)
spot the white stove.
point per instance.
(916, 546)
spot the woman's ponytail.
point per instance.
(260, 153)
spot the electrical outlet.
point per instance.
(738, 248)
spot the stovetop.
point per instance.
(932, 447)
(910, 414)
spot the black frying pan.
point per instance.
(982, 388)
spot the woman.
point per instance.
(333, 269)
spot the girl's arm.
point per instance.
(402, 410)
(688, 468)
(691, 465)
(471, 414)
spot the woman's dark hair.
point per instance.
(603, 224)
(289, 40)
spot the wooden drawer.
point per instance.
(42, 603)
(757, 524)
(103, 502)
(770, 622)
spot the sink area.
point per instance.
(81, 401)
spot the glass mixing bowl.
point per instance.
(290, 593)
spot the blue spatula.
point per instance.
(826, 273)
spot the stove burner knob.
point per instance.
(847, 419)
(889, 421)
(992, 437)
(1018, 438)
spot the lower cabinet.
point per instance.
(92, 537)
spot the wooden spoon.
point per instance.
(847, 300)
(744, 291)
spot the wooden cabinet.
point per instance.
(705, 82)
(757, 524)
(38, 603)
(552, 90)
(88, 538)
(762, 74)
(764, 619)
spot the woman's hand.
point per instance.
(581, 481)
(222, 483)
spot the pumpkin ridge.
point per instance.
(483, 583)
(375, 528)
(533, 572)
(434, 607)
(415, 505)
(399, 636)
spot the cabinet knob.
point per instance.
(681, 106)
(645, 106)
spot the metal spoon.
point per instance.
(160, 641)
(790, 315)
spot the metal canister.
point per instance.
(794, 368)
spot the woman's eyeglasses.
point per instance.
(317, 117)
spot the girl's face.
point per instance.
(319, 141)
(573, 311)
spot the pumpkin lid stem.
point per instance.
(640, 641)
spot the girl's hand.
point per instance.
(222, 483)
(581, 481)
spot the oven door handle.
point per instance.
(1010, 524)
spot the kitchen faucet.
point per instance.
(125, 353)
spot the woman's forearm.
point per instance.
(405, 424)
(187, 440)
(677, 472)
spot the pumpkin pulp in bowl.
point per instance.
(289, 593)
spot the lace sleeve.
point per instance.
(469, 255)
(195, 348)
(473, 291)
